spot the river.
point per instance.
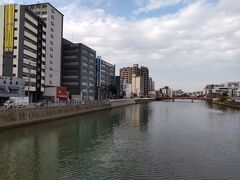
(158, 140)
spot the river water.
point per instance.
(158, 140)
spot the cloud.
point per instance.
(156, 4)
(152, 5)
(197, 45)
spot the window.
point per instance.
(51, 55)
(53, 10)
(51, 42)
(51, 62)
(52, 23)
(51, 68)
(85, 64)
(52, 36)
(52, 16)
(91, 54)
(50, 75)
(51, 49)
(52, 29)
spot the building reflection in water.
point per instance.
(46, 151)
(139, 115)
(42, 151)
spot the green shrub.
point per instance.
(222, 99)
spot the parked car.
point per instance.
(16, 102)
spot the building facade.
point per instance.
(11, 87)
(54, 33)
(118, 83)
(105, 78)
(79, 70)
(137, 86)
(224, 89)
(145, 74)
(23, 47)
(126, 74)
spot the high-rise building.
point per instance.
(137, 85)
(79, 70)
(104, 76)
(126, 74)
(151, 84)
(23, 47)
(54, 34)
(145, 74)
(136, 70)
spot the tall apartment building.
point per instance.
(79, 70)
(144, 72)
(54, 34)
(105, 78)
(127, 72)
(22, 47)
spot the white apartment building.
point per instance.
(137, 85)
(54, 34)
(22, 47)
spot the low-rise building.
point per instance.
(224, 89)
(56, 94)
(165, 92)
(11, 87)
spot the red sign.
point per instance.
(62, 93)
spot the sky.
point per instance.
(186, 44)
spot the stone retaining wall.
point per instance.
(18, 117)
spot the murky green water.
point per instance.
(159, 140)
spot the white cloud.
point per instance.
(197, 45)
(156, 4)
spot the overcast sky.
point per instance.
(185, 43)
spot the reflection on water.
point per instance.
(159, 140)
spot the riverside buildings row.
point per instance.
(230, 89)
(32, 48)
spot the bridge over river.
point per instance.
(183, 98)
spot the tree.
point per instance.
(112, 89)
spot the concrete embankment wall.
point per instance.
(228, 104)
(19, 117)
(122, 102)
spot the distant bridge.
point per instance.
(182, 98)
